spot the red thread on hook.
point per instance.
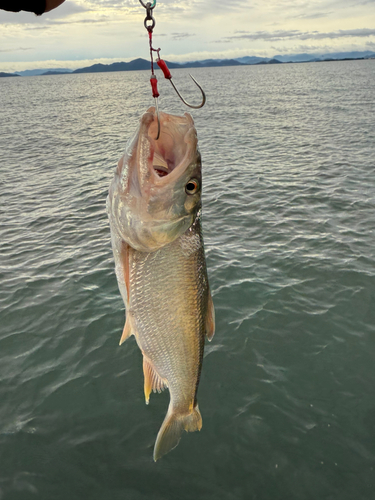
(163, 66)
(154, 86)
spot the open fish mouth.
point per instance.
(161, 166)
(176, 147)
(156, 192)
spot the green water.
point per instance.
(287, 387)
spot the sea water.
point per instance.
(287, 388)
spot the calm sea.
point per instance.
(287, 389)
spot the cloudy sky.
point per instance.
(81, 32)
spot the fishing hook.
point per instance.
(183, 100)
(157, 116)
(167, 74)
(149, 6)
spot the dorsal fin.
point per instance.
(153, 381)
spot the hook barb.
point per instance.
(183, 100)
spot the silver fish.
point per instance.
(154, 208)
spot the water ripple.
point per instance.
(287, 383)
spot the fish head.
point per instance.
(156, 192)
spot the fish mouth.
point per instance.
(176, 147)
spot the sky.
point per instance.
(83, 32)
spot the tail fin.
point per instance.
(171, 430)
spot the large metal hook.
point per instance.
(167, 74)
(183, 100)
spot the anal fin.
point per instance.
(153, 381)
(210, 318)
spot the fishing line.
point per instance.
(149, 24)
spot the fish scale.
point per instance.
(168, 343)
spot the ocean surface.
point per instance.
(287, 388)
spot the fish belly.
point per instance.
(168, 306)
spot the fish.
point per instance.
(154, 208)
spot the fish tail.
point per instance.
(171, 430)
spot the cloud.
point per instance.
(274, 36)
(209, 10)
(65, 10)
(221, 6)
(128, 4)
(364, 2)
(101, 19)
(180, 36)
(36, 28)
(16, 49)
(316, 15)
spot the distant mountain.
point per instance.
(321, 57)
(8, 74)
(271, 61)
(296, 57)
(210, 63)
(136, 64)
(56, 72)
(252, 59)
(141, 64)
(34, 72)
(348, 55)
(204, 61)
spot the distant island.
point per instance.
(57, 72)
(7, 74)
(143, 64)
(271, 61)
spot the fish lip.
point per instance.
(189, 137)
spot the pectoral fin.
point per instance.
(127, 331)
(210, 318)
(125, 268)
(153, 381)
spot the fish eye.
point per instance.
(192, 186)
